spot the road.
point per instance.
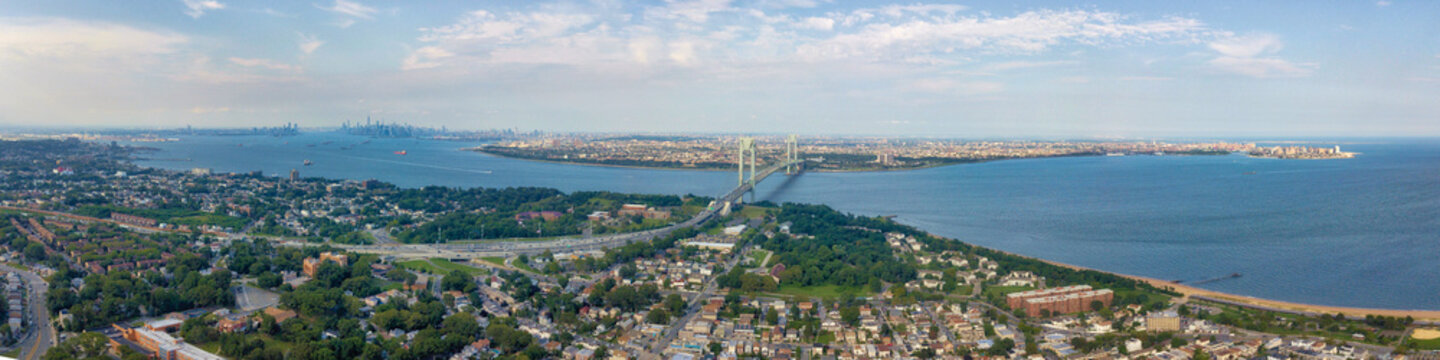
(695, 301)
(506, 248)
(39, 340)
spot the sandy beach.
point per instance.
(1188, 291)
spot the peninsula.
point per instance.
(824, 153)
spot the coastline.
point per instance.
(1188, 292)
(928, 166)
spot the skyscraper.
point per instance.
(294, 175)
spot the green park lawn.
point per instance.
(449, 266)
(1431, 344)
(757, 255)
(439, 266)
(494, 260)
(820, 291)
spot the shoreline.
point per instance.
(1188, 292)
(641, 167)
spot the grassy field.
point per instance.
(439, 266)
(757, 255)
(494, 259)
(523, 266)
(1432, 344)
(753, 212)
(1002, 290)
(449, 266)
(419, 265)
(13, 354)
(820, 291)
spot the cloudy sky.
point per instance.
(1131, 68)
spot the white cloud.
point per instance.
(1382, 3)
(350, 9)
(921, 9)
(693, 10)
(309, 43)
(1029, 32)
(425, 58)
(263, 63)
(817, 23)
(197, 8)
(1250, 55)
(82, 43)
(1247, 46)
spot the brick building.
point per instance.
(311, 265)
(1060, 300)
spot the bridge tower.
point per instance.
(790, 147)
(747, 147)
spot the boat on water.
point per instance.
(1249, 173)
(308, 162)
(1115, 154)
(401, 152)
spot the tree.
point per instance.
(87, 345)
(772, 317)
(925, 353)
(934, 331)
(462, 325)
(850, 315)
(35, 252)
(1200, 355)
(715, 348)
(1001, 347)
(268, 280)
(1096, 305)
(657, 316)
(458, 281)
(675, 303)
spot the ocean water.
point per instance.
(1354, 232)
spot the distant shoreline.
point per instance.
(480, 149)
(641, 167)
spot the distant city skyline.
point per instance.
(971, 69)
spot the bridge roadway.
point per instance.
(481, 249)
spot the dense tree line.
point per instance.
(496, 217)
(119, 296)
(845, 250)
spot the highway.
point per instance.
(507, 248)
(39, 340)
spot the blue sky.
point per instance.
(962, 69)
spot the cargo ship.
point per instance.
(401, 152)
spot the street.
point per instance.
(42, 334)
